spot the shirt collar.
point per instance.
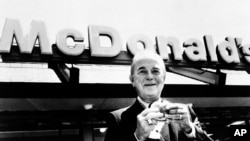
(143, 103)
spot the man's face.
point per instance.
(148, 79)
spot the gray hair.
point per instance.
(146, 54)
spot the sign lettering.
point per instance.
(229, 53)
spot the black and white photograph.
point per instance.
(124, 70)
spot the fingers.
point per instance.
(149, 110)
(177, 111)
(176, 108)
(154, 116)
(175, 117)
(160, 112)
(150, 117)
(166, 112)
(151, 113)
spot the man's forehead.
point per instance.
(146, 57)
(147, 64)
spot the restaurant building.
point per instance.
(69, 109)
(63, 90)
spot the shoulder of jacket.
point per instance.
(117, 113)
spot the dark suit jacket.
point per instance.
(122, 125)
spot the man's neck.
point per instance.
(145, 104)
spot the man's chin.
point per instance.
(151, 91)
(152, 96)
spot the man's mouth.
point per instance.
(149, 84)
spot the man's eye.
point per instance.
(143, 71)
(155, 71)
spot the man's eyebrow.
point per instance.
(141, 68)
(157, 68)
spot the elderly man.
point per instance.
(151, 117)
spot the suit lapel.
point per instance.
(128, 117)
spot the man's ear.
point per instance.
(131, 78)
(164, 77)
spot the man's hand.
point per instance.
(146, 122)
(179, 113)
(175, 112)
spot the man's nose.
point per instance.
(149, 76)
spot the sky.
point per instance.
(183, 19)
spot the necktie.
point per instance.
(160, 133)
(165, 132)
